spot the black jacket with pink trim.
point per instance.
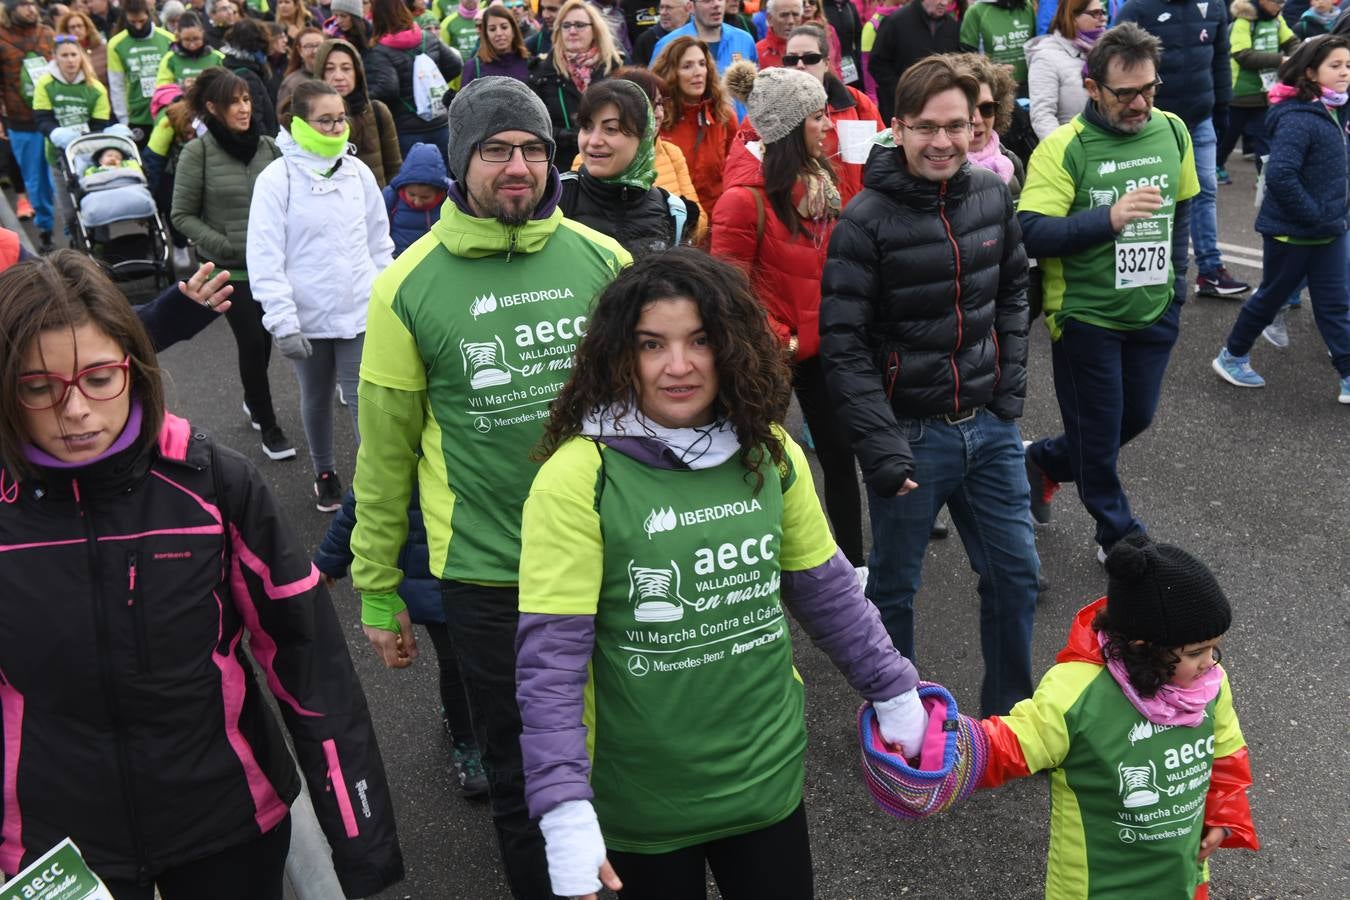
(130, 717)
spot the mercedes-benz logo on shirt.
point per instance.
(638, 665)
(482, 424)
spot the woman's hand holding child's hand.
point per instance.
(902, 720)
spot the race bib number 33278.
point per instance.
(1141, 263)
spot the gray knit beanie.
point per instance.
(489, 105)
(777, 99)
(350, 7)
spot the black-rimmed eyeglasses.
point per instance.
(500, 152)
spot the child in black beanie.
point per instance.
(1148, 767)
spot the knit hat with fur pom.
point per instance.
(777, 99)
(1161, 594)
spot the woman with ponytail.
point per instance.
(1305, 211)
(318, 235)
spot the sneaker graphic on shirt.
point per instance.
(1137, 785)
(482, 363)
(655, 593)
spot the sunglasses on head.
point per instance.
(811, 59)
(66, 39)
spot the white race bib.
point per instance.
(1269, 77)
(848, 69)
(1141, 263)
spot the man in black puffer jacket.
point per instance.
(923, 336)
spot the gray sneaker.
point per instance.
(1277, 332)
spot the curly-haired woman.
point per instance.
(670, 414)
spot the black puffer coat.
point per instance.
(923, 308)
(639, 220)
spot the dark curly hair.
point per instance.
(1149, 665)
(753, 378)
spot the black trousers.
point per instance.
(843, 501)
(254, 870)
(255, 351)
(482, 625)
(453, 699)
(772, 862)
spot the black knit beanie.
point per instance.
(1161, 594)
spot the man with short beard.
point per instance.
(671, 14)
(1106, 208)
(782, 16)
(923, 338)
(469, 336)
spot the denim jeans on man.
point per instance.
(482, 624)
(30, 149)
(977, 469)
(1285, 265)
(1107, 382)
(1204, 209)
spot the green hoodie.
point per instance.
(469, 336)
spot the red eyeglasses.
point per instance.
(45, 390)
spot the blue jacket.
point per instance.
(733, 41)
(422, 165)
(420, 590)
(1308, 175)
(1195, 71)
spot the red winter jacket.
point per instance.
(704, 140)
(784, 268)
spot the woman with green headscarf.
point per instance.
(613, 192)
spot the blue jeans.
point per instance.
(977, 469)
(1107, 382)
(30, 149)
(1204, 211)
(1283, 267)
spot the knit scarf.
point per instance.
(815, 195)
(580, 66)
(1172, 704)
(467, 12)
(331, 147)
(1281, 92)
(243, 146)
(1085, 41)
(992, 158)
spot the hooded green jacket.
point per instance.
(469, 336)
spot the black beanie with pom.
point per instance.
(1161, 594)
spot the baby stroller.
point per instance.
(116, 221)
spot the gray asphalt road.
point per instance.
(1254, 482)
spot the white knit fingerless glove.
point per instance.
(574, 846)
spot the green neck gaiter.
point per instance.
(325, 145)
(641, 172)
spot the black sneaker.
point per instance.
(45, 244)
(328, 490)
(1220, 284)
(940, 530)
(275, 443)
(468, 767)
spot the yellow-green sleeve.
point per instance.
(1050, 188)
(161, 136)
(1228, 737)
(1038, 721)
(115, 63)
(41, 98)
(102, 107)
(1190, 182)
(807, 541)
(561, 546)
(164, 74)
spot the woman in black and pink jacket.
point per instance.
(135, 553)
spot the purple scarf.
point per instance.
(1172, 705)
(992, 158)
(1085, 41)
(130, 432)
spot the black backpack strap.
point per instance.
(571, 184)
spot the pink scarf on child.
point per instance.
(992, 158)
(1171, 705)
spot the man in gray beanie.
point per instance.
(468, 340)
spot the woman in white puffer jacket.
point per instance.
(1055, 63)
(318, 234)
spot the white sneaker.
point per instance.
(861, 572)
(251, 421)
(182, 261)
